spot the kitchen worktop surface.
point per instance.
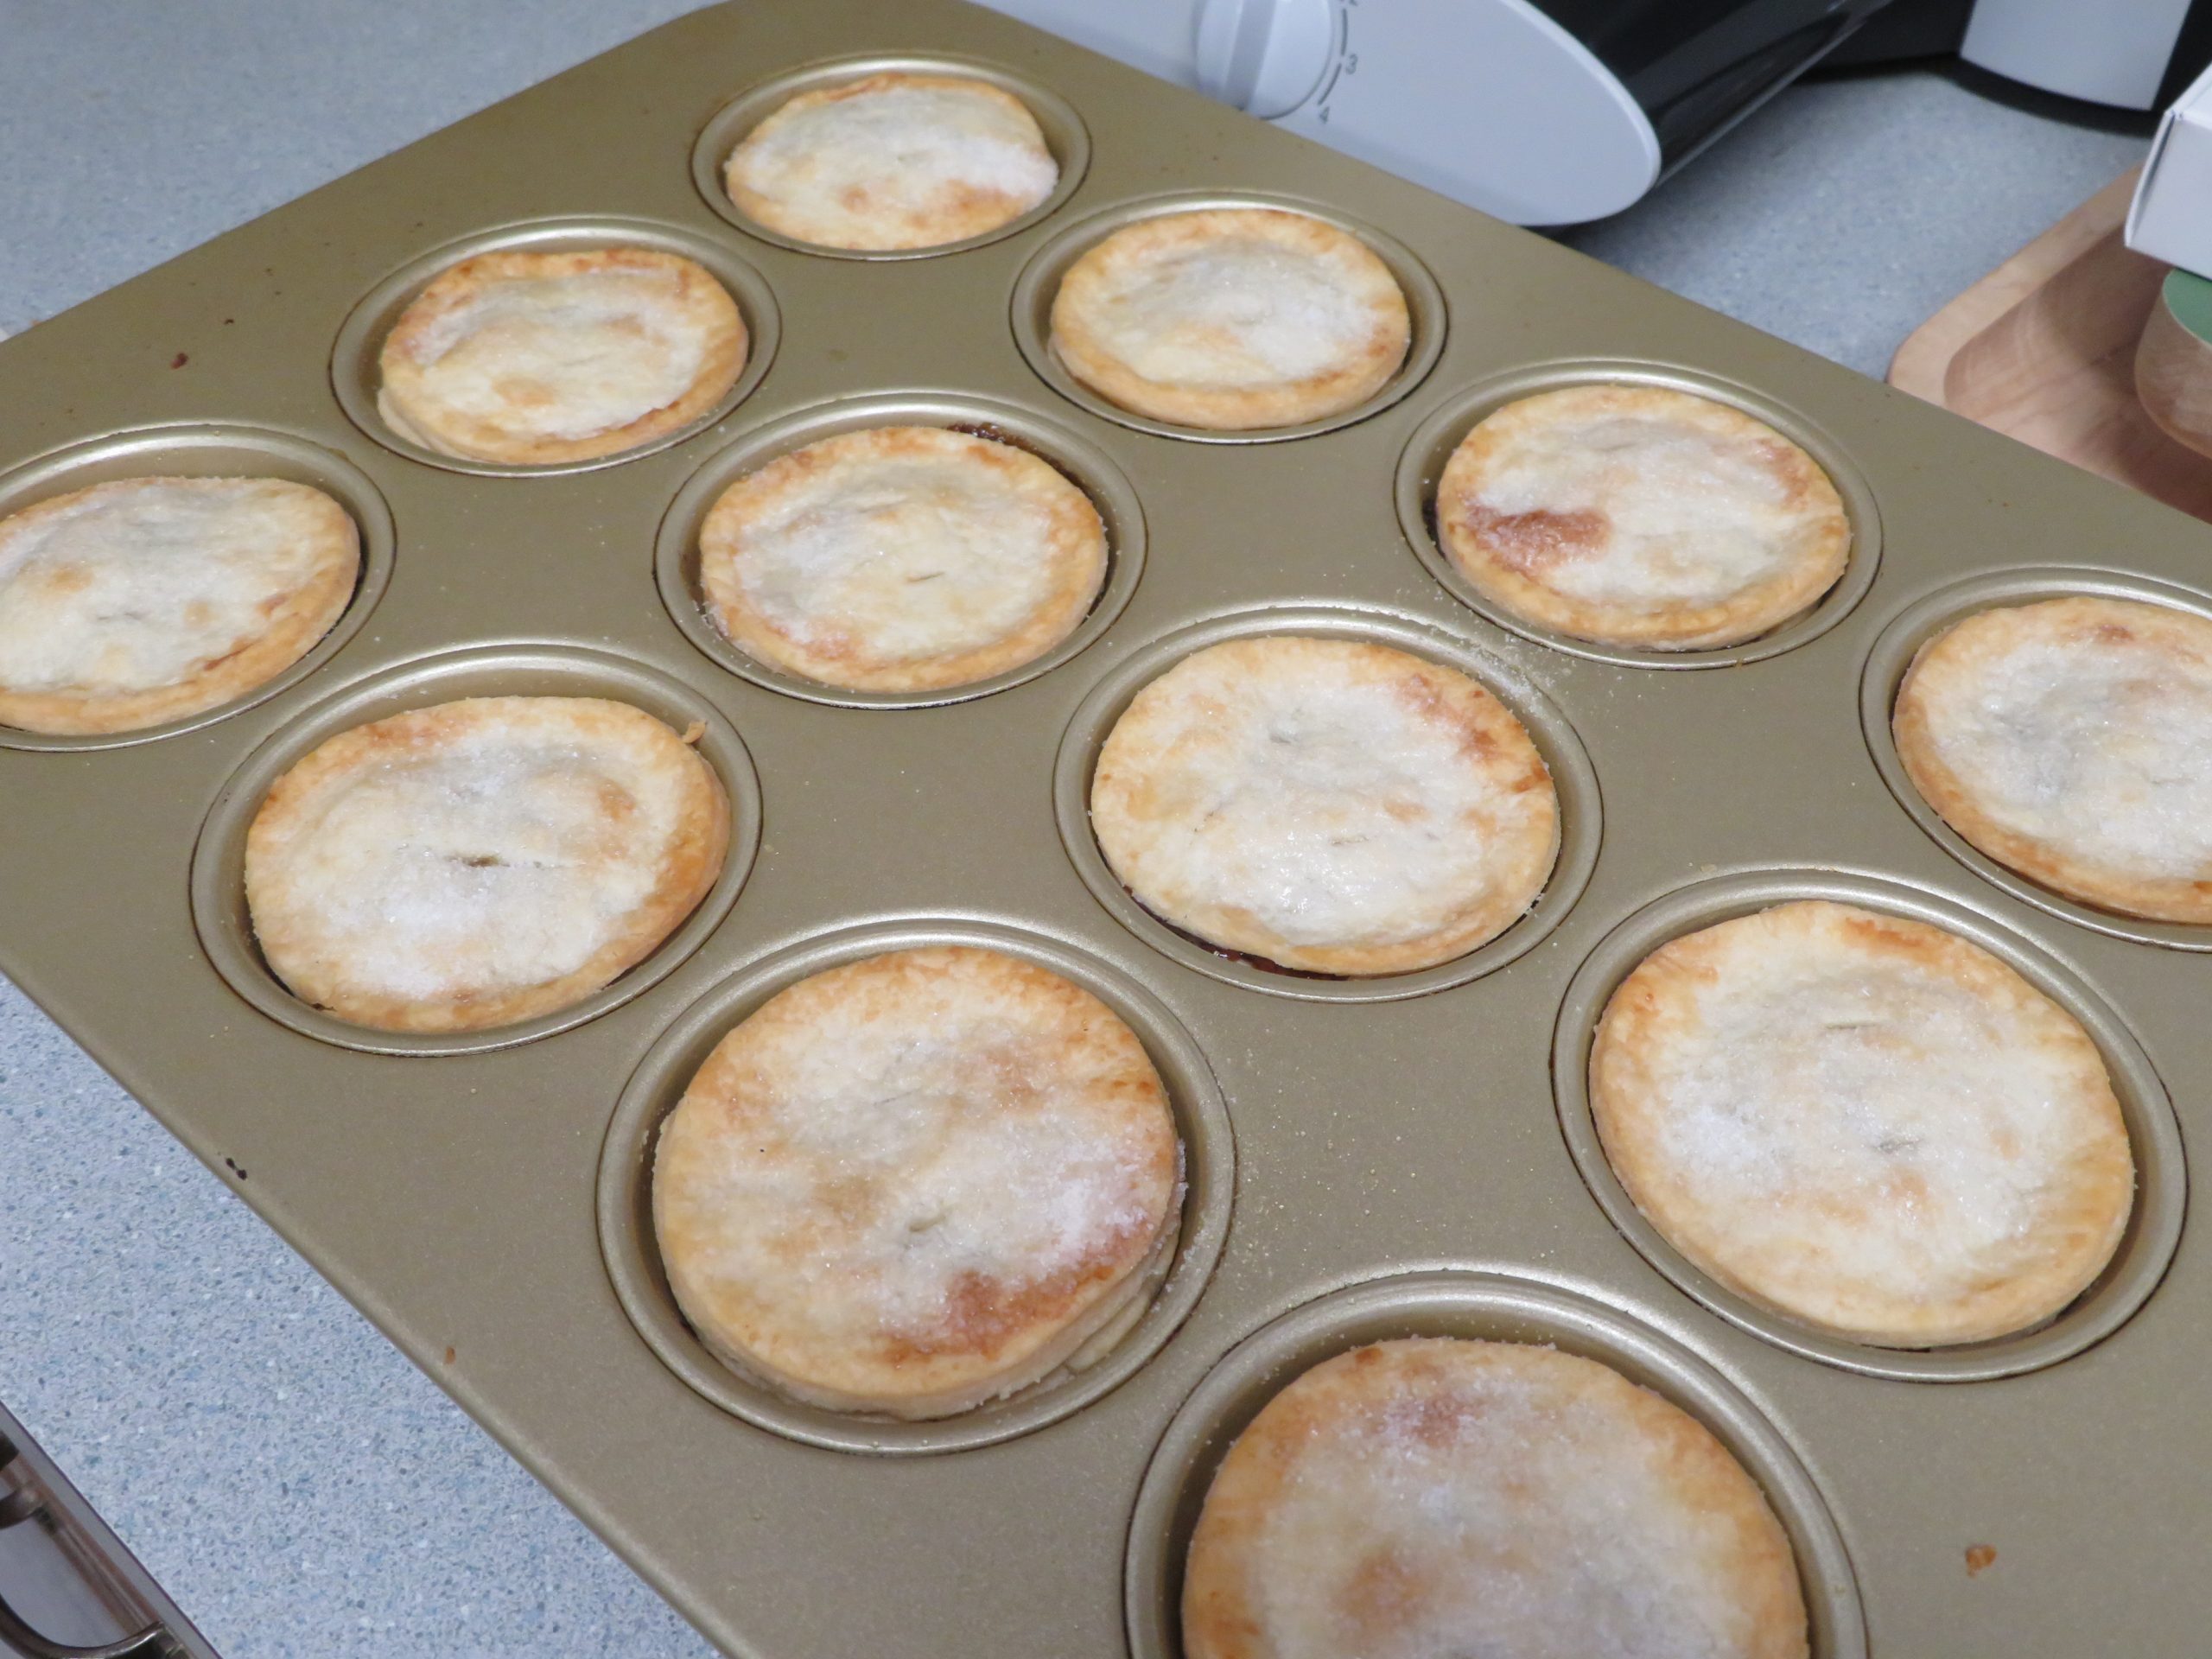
(297, 1485)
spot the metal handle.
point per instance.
(23, 1503)
(152, 1643)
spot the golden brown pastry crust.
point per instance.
(883, 560)
(1522, 527)
(918, 1182)
(518, 386)
(294, 610)
(956, 158)
(1221, 303)
(367, 864)
(1435, 1494)
(1335, 806)
(1869, 1123)
(2126, 748)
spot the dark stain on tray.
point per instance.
(1265, 964)
(991, 433)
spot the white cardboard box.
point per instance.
(2170, 218)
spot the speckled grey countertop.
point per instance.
(297, 1485)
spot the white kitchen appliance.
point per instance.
(1540, 111)
(2136, 53)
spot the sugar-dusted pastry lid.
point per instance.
(537, 359)
(1231, 319)
(1640, 516)
(892, 161)
(1434, 1496)
(1869, 1123)
(2072, 740)
(901, 559)
(918, 1182)
(480, 862)
(1335, 806)
(148, 600)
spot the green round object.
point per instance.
(2189, 297)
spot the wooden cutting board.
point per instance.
(2043, 349)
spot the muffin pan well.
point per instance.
(676, 554)
(1480, 1305)
(1900, 641)
(219, 904)
(2161, 1182)
(354, 369)
(1410, 1153)
(212, 450)
(1039, 282)
(1434, 440)
(626, 1191)
(1563, 754)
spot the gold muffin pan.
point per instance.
(1366, 1158)
(1065, 136)
(357, 375)
(207, 449)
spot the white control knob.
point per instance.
(1265, 56)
